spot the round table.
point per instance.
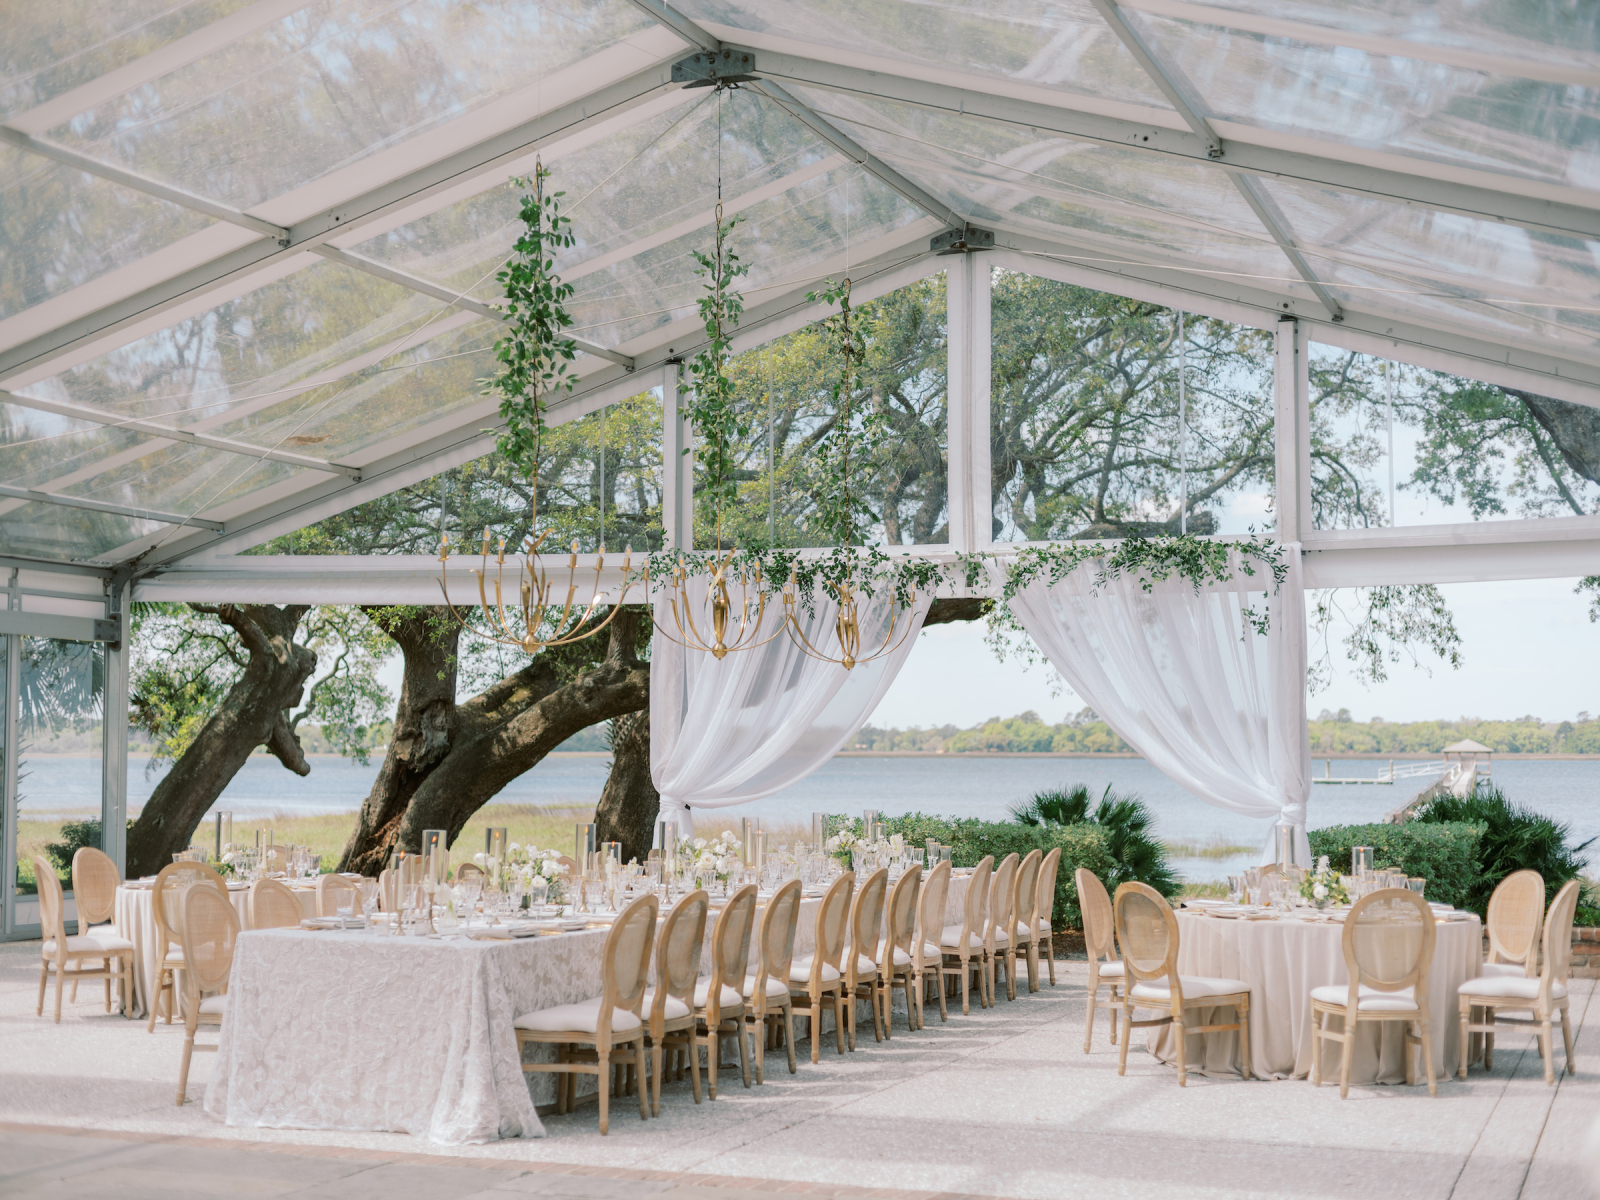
(1282, 959)
(134, 917)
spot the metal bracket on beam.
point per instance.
(965, 240)
(715, 68)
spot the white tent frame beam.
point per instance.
(34, 496)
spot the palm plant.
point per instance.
(1129, 826)
(1514, 838)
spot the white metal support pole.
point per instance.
(114, 723)
(967, 290)
(1292, 418)
(10, 705)
(677, 471)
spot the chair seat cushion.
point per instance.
(1368, 999)
(800, 971)
(864, 965)
(1195, 987)
(78, 943)
(214, 1006)
(1023, 934)
(108, 937)
(1002, 938)
(1513, 970)
(1044, 924)
(1508, 987)
(1113, 970)
(777, 989)
(676, 1009)
(950, 939)
(728, 998)
(582, 1017)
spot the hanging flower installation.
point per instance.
(536, 357)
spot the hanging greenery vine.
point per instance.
(713, 406)
(535, 353)
(835, 494)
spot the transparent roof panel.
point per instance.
(61, 228)
(1490, 276)
(49, 49)
(1489, 121)
(50, 531)
(184, 479)
(1049, 185)
(335, 82)
(1060, 44)
(324, 318)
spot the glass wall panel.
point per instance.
(1089, 435)
(1398, 445)
(58, 755)
(899, 469)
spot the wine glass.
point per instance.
(369, 896)
(538, 894)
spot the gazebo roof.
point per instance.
(1467, 746)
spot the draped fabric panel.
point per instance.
(725, 732)
(1188, 682)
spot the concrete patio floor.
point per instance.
(1000, 1103)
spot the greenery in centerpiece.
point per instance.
(1324, 886)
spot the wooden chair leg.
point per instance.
(44, 978)
(655, 1080)
(944, 1013)
(58, 995)
(693, 1054)
(1566, 1039)
(1461, 1062)
(788, 1034)
(1111, 1015)
(1182, 1043)
(1545, 1049)
(1427, 1057)
(604, 1075)
(1122, 1050)
(643, 1082)
(1050, 956)
(838, 1019)
(850, 1017)
(965, 1006)
(744, 1051)
(713, 1053)
(1318, 1023)
(1088, 1016)
(1244, 1039)
(874, 990)
(183, 1069)
(1346, 1053)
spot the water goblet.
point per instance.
(516, 892)
(538, 893)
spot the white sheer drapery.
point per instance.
(725, 732)
(1188, 682)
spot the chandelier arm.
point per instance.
(462, 621)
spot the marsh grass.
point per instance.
(1215, 846)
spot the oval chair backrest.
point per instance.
(678, 948)
(833, 925)
(1025, 907)
(730, 944)
(468, 871)
(1002, 897)
(1095, 905)
(386, 891)
(1148, 934)
(331, 889)
(779, 924)
(273, 906)
(275, 858)
(95, 880)
(1388, 942)
(902, 913)
(930, 920)
(166, 899)
(52, 905)
(1558, 939)
(977, 904)
(625, 965)
(866, 917)
(1516, 913)
(1047, 886)
(210, 931)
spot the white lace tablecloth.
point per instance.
(1282, 960)
(134, 918)
(367, 1031)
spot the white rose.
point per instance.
(833, 842)
(515, 846)
(699, 843)
(1319, 891)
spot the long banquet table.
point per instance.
(1282, 960)
(371, 1032)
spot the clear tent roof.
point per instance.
(249, 245)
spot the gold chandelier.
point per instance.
(846, 627)
(715, 639)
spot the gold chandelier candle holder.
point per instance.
(733, 626)
(846, 627)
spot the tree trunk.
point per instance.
(1575, 429)
(252, 714)
(424, 727)
(630, 803)
(497, 736)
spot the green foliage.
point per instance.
(1336, 733)
(1391, 623)
(1514, 839)
(1129, 826)
(1444, 853)
(75, 835)
(720, 423)
(839, 503)
(534, 352)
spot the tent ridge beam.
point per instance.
(34, 496)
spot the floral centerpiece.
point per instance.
(843, 846)
(1324, 887)
(523, 863)
(713, 856)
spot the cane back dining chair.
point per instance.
(1541, 997)
(210, 932)
(1047, 908)
(166, 911)
(1515, 917)
(718, 1001)
(1025, 923)
(273, 906)
(927, 958)
(816, 977)
(67, 958)
(1105, 968)
(95, 880)
(769, 1011)
(336, 890)
(592, 1036)
(963, 944)
(896, 966)
(1388, 945)
(1148, 934)
(1000, 923)
(859, 967)
(668, 1007)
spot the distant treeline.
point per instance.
(1331, 733)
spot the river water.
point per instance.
(954, 785)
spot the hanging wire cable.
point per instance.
(1183, 430)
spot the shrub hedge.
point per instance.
(970, 840)
(1443, 853)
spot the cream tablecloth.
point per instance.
(365, 1031)
(134, 918)
(1282, 960)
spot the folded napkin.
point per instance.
(333, 923)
